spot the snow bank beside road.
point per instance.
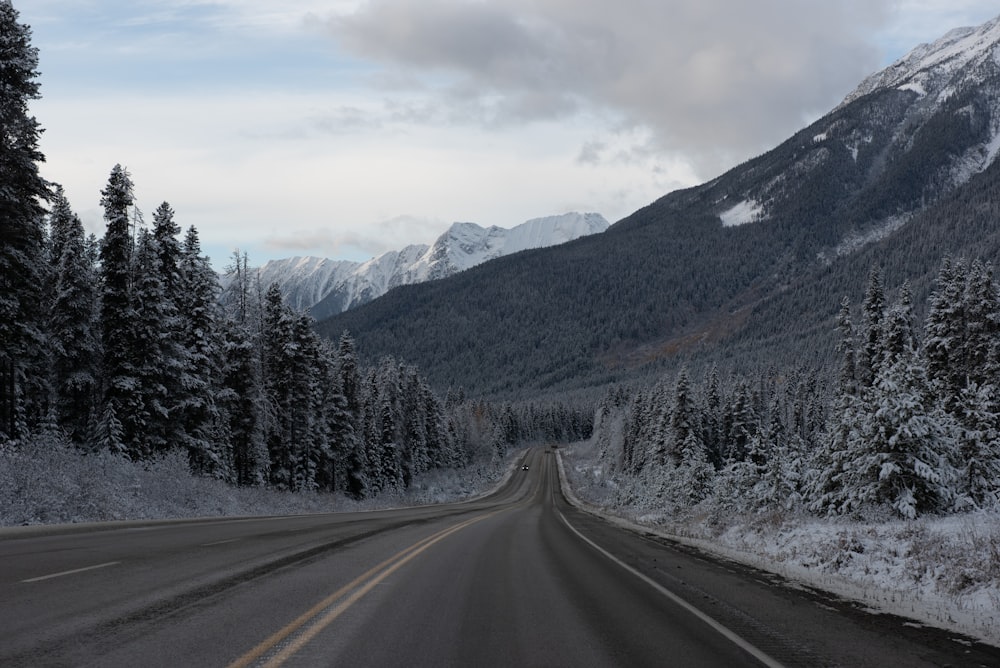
(942, 572)
(49, 482)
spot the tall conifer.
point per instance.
(22, 265)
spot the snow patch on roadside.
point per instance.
(943, 572)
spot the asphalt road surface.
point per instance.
(519, 578)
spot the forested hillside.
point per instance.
(908, 426)
(745, 268)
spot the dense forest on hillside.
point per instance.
(910, 425)
(873, 183)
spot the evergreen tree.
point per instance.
(870, 353)
(243, 398)
(107, 432)
(905, 465)
(278, 378)
(695, 475)
(357, 464)
(200, 418)
(740, 423)
(60, 226)
(982, 320)
(898, 457)
(22, 262)
(944, 333)
(338, 425)
(73, 327)
(847, 378)
(712, 418)
(117, 313)
(155, 355)
(898, 339)
(977, 453)
(167, 235)
(309, 444)
(683, 420)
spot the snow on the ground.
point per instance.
(50, 483)
(942, 572)
(915, 86)
(747, 211)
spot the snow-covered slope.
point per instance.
(329, 286)
(958, 75)
(465, 245)
(929, 67)
(906, 137)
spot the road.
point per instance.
(519, 578)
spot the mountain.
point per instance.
(327, 287)
(749, 268)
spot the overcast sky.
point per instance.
(343, 129)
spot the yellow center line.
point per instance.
(358, 586)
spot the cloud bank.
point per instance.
(714, 80)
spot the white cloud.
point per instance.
(714, 80)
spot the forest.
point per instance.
(908, 426)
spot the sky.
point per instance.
(346, 128)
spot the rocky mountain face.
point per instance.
(747, 268)
(326, 287)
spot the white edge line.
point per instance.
(220, 542)
(730, 635)
(72, 572)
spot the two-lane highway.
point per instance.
(519, 578)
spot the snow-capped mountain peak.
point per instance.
(960, 51)
(465, 245)
(327, 287)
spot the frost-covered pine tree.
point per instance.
(982, 318)
(684, 420)
(156, 356)
(442, 451)
(695, 475)
(977, 451)
(72, 325)
(107, 432)
(416, 454)
(357, 465)
(167, 235)
(944, 332)
(825, 482)
(243, 398)
(203, 424)
(739, 423)
(311, 450)
(869, 355)
(60, 224)
(901, 460)
(119, 372)
(847, 376)
(22, 261)
(338, 425)
(278, 372)
(633, 430)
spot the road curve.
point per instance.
(519, 578)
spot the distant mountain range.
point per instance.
(326, 287)
(747, 269)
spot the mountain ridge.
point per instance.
(726, 263)
(326, 287)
